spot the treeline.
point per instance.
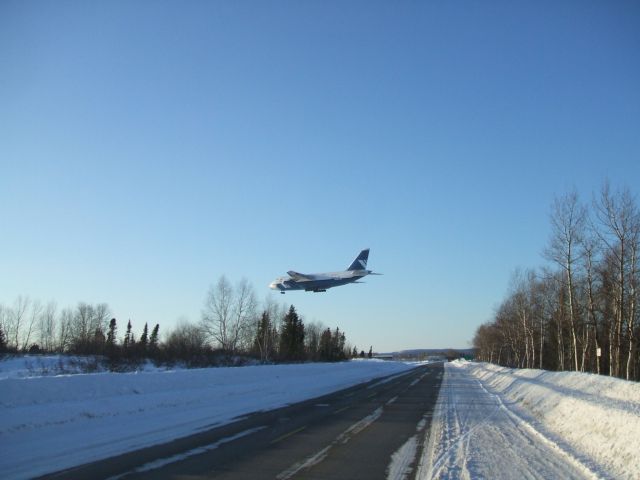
(233, 329)
(581, 313)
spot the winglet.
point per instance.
(360, 263)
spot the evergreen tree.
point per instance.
(342, 352)
(300, 351)
(370, 355)
(127, 336)
(111, 347)
(338, 340)
(111, 335)
(153, 351)
(292, 336)
(153, 340)
(354, 352)
(144, 339)
(325, 345)
(335, 345)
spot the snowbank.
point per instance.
(597, 416)
(22, 366)
(53, 422)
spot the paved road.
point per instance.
(350, 434)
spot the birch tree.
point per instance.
(618, 217)
(567, 229)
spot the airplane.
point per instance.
(320, 282)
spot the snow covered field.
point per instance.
(50, 422)
(494, 422)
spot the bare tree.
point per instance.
(65, 327)
(591, 247)
(520, 306)
(546, 312)
(100, 319)
(15, 319)
(584, 315)
(244, 315)
(47, 327)
(32, 323)
(567, 230)
(216, 315)
(228, 314)
(81, 327)
(185, 342)
(313, 332)
(618, 217)
(634, 282)
(4, 314)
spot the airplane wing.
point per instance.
(299, 277)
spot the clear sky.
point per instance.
(148, 147)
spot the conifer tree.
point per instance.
(292, 336)
(335, 345)
(127, 336)
(144, 339)
(370, 355)
(325, 345)
(342, 354)
(153, 340)
(111, 334)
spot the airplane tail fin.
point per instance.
(360, 263)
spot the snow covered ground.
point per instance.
(493, 422)
(50, 422)
(490, 422)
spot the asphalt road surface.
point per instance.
(371, 431)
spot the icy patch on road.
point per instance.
(401, 460)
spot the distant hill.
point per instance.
(423, 353)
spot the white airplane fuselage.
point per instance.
(320, 282)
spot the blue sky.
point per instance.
(146, 148)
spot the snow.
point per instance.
(494, 422)
(400, 466)
(489, 421)
(22, 366)
(50, 422)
